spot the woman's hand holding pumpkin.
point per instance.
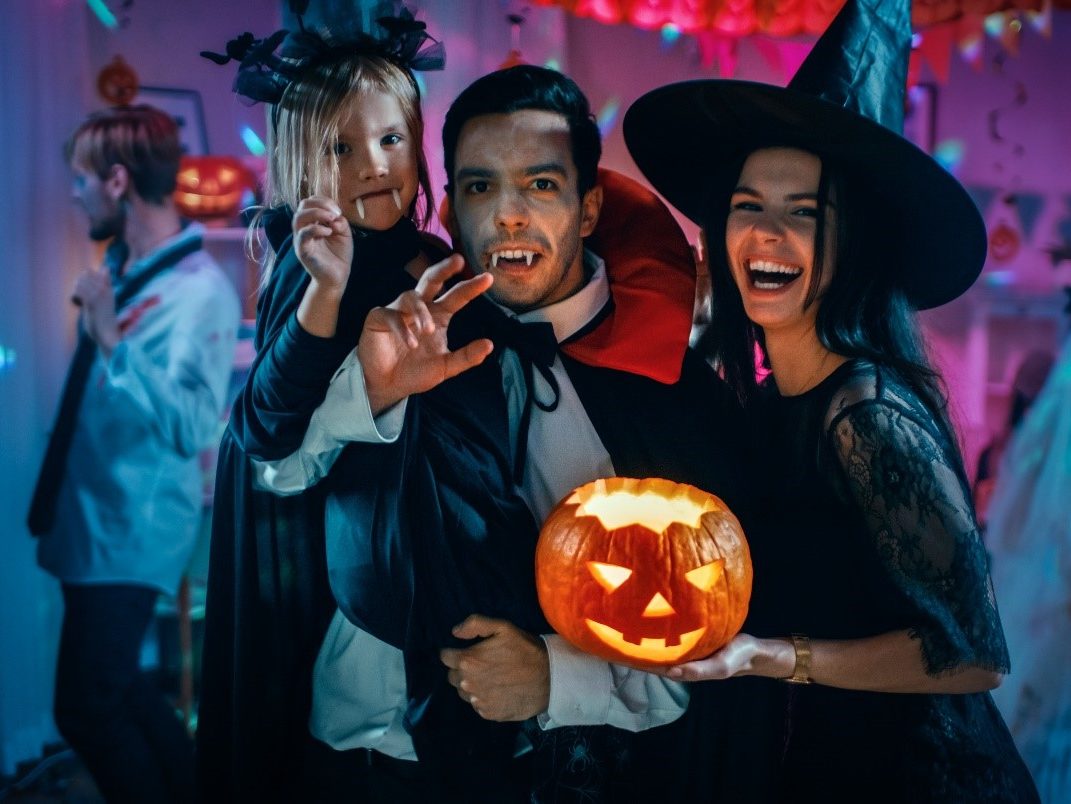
(745, 655)
(889, 662)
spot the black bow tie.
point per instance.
(537, 348)
(533, 341)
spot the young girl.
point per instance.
(348, 190)
(871, 588)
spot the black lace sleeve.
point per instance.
(918, 510)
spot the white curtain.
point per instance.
(43, 90)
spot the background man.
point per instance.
(118, 501)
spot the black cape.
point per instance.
(268, 601)
(429, 529)
(447, 476)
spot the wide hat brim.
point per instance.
(687, 138)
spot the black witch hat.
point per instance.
(846, 103)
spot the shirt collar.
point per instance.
(188, 232)
(575, 312)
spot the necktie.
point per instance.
(43, 506)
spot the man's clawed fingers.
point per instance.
(434, 280)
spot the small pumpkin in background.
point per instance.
(212, 186)
(117, 83)
(645, 572)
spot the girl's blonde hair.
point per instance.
(305, 126)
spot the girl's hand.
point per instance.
(323, 242)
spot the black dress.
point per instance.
(866, 527)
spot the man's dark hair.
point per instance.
(528, 87)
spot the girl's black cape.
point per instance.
(268, 599)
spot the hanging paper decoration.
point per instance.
(1018, 100)
(1065, 225)
(914, 69)
(983, 197)
(714, 48)
(779, 18)
(1029, 206)
(935, 49)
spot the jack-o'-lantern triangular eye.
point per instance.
(704, 577)
(610, 576)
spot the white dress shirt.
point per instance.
(131, 498)
(359, 682)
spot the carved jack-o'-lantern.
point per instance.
(647, 572)
(211, 186)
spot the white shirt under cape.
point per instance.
(355, 707)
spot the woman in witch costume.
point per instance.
(349, 191)
(826, 230)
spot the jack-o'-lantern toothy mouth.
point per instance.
(648, 650)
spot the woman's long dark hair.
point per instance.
(862, 313)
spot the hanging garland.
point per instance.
(779, 18)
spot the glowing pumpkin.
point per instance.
(212, 186)
(646, 572)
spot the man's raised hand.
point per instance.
(403, 348)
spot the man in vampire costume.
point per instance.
(433, 489)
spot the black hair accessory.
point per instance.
(264, 74)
